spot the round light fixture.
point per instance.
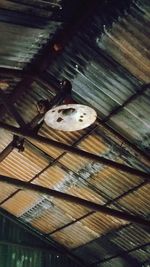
(71, 117)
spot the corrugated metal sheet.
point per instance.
(18, 248)
(130, 237)
(114, 183)
(19, 257)
(8, 84)
(40, 8)
(27, 103)
(74, 235)
(7, 191)
(73, 211)
(115, 244)
(20, 43)
(15, 234)
(20, 202)
(93, 144)
(142, 255)
(108, 64)
(5, 139)
(65, 137)
(90, 181)
(86, 230)
(23, 165)
(50, 220)
(14, 256)
(93, 251)
(138, 202)
(133, 121)
(26, 27)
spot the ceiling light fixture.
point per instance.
(70, 117)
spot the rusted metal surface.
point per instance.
(94, 157)
(5, 140)
(18, 44)
(27, 104)
(138, 202)
(76, 200)
(93, 143)
(107, 62)
(106, 248)
(26, 164)
(14, 230)
(137, 252)
(109, 67)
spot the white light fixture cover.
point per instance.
(71, 117)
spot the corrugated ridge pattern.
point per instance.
(141, 255)
(114, 183)
(91, 65)
(27, 103)
(105, 179)
(23, 165)
(108, 64)
(22, 47)
(131, 237)
(21, 202)
(138, 202)
(11, 255)
(5, 139)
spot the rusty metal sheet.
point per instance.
(74, 235)
(138, 202)
(20, 202)
(23, 165)
(130, 237)
(107, 65)
(27, 103)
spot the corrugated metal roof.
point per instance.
(107, 61)
(24, 165)
(7, 84)
(21, 43)
(133, 121)
(27, 103)
(89, 180)
(107, 65)
(115, 244)
(26, 27)
(6, 138)
(142, 255)
(14, 256)
(40, 8)
(18, 248)
(131, 237)
(96, 224)
(138, 202)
